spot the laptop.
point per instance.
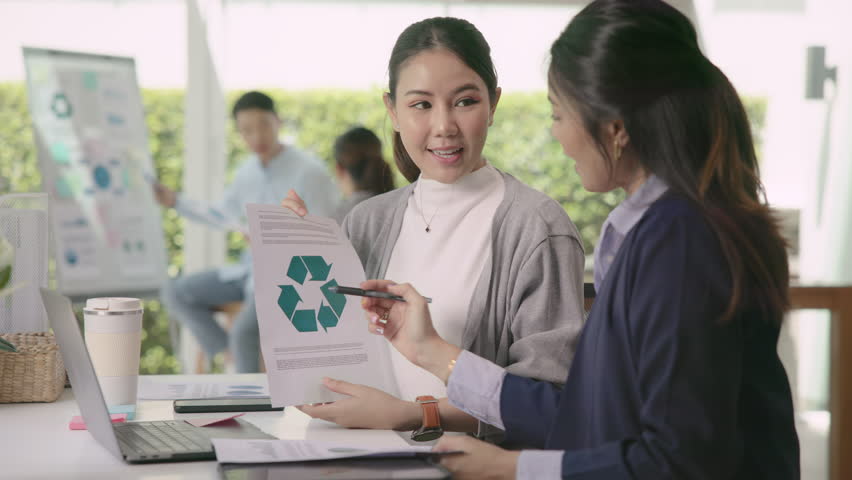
(134, 442)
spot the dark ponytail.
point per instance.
(639, 61)
(453, 34)
(359, 152)
(403, 161)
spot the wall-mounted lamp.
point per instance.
(817, 73)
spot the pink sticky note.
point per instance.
(204, 422)
(77, 422)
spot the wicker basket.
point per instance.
(35, 372)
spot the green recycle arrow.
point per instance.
(288, 300)
(318, 268)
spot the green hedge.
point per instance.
(519, 142)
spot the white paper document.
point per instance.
(237, 450)
(157, 390)
(209, 215)
(306, 331)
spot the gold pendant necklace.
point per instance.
(429, 223)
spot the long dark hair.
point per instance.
(454, 35)
(639, 61)
(359, 152)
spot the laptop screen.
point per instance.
(84, 382)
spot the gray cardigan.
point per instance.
(526, 310)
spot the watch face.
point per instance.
(426, 435)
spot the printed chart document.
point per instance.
(210, 216)
(306, 331)
(157, 390)
(236, 450)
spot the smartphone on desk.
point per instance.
(204, 405)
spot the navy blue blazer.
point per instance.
(658, 388)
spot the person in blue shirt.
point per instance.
(271, 170)
(676, 375)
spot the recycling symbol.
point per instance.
(60, 106)
(306, 320)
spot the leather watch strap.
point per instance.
(431, 417)
(431, 428)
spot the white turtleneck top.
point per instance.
(444, 264)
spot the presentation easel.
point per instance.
(92, 143)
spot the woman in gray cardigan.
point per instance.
(503, 261)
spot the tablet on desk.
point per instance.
(344, 469)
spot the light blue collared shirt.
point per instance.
(253, 183)
(621, 220)
(474, 387)
(475, 383)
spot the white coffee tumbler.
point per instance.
(114, 339)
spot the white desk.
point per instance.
(35, 441)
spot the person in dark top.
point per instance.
(676, 374)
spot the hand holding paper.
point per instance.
(307, 331)
(365, 407)
(295, 203)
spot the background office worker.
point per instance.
(268, 173)
(361, 170)
(503, 262)
(676, 373)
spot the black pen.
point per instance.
(368, 293)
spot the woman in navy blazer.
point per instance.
(676, 374)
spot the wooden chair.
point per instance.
(837, 299)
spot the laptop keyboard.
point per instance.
(160, 438)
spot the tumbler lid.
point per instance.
(113, 304)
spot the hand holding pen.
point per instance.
(407, 324)
(369, 293)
